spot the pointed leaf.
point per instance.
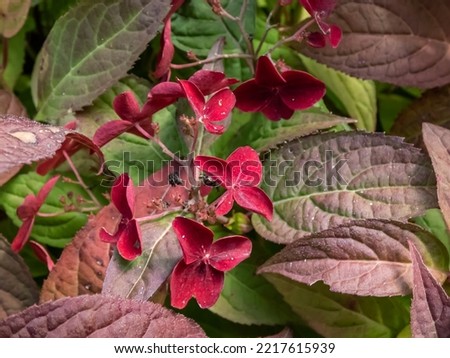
(25, 141)
(326, 180)
(17, 288)
(10, 104)
(337, 315)
(82, 265)
(407, 48)
(437, 141)
(99, 316)
(75, 65)
(366, 258)
(358, 97)
(430, 309)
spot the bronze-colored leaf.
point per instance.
(401, 42)
(13, 14)
(10, 104)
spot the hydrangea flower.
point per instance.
(240, 174)
(128, 236)
(200, 273)
(278, 95)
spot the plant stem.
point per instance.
(211, 59)
(80, 180)
(297, 36)
(268, 28)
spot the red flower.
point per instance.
(128, 236)
(320, 10)
(132, 117)
(218, 107)
(42, 254)
(278, 95)
(166, 53)
(27, 213)
(240, 173)
(166, 93)
(200, 273)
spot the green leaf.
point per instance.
(129, 153)
(250, 299)
(196, 28)
(261, 134)
(56, 231)
(325, 180)
(357, 96)
(338, 315)
(89, 49)
(434, 222)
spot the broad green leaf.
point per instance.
(434, 222)
(13, 16)
(56, 231)
(89, 49)
(365, 258)
(325, 180)
(390, 105)
(338, 315)
(17, 288)
(196, 28)
(357, 96)
(250, 299)
(129, 153)
(407, 48)
(261, 134)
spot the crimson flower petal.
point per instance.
(209, 82)
(166, 53)
(195, 97)
(162, 95)
(214, 128)
(22, 235)
(224, 203)
(316, 39)
(195, 239)
(46, 189)
(219, 105)
(254, 199)
(251, 97)
(110, 130)
(29, 207)
(244, 167)
(126, 106)
(42, 254)
(105, 236)
(228, 252)
(277, 109)
(129, 244)
(335, 36)
(197, 280)
(313, 6)
(214, 167)
(266, 73)
(302, 90)
(122, 195)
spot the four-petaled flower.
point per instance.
(320, 10)
(128, 237)
(240, 174)
(216, 109)
(278, 95)
(133, 120)
(27, 213)
(200, 273)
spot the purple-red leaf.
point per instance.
(325, 180)
(17, 288)
(430, 308)
(10, 104)
(99, 316)
(437, 142)
(408, 47)
(25, 141)
(366, 258)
